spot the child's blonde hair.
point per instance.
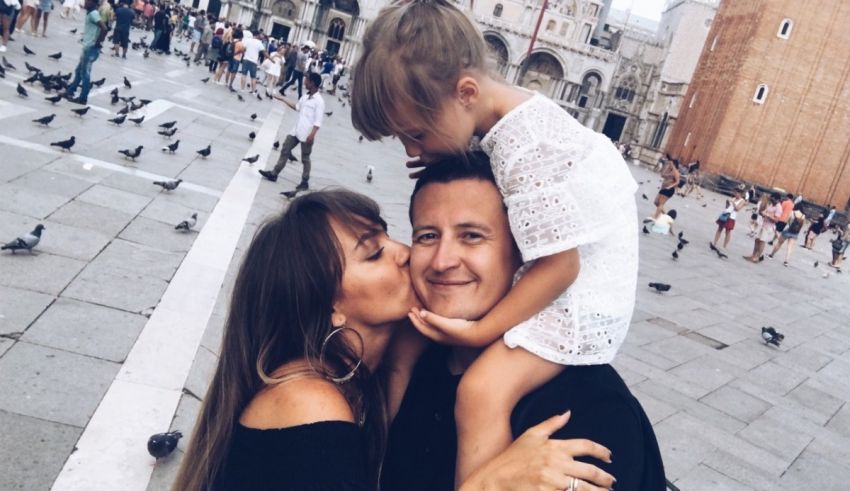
(414, 53)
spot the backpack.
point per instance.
(228, 50)
(216, 42)
(796, 225)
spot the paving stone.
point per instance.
(641, 333)
(23, 161)
(201, 372)
(53, 385)
(5, 344)
(678, 349)
(812, 471)
(736, 403)
(87, 329)
(44, 181)
(131, 184)
(19, 199)
(171, 213)
(693, 407)
(189, 199)
(41, 272)
(820, 402)
(92, 217)
(70, 167)
(745, 354)
(159, 235)
(840, 422)
(728, 333)
(803, 359)
(138, 258)
(707, 479)
(706, 372)
(32, 451)
(117, 288)
(768, 433)
(743, 472)
(774, 378)
(19, 308)
(116, 199)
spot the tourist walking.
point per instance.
(789, 234)
(7, 11)
(28, 12)
(669, 181)
(726, 221)
(252, 49)
(311, 108)
(839, 247)
(787, 208)
(768, 217)
(815, 229)
(94, 33)
(124, 17)
(299, 70)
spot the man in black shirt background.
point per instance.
(462, 263)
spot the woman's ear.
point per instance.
(468, 91)
(337, 319)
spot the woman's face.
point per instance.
(376, 288)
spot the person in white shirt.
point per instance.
(311, 109)
(250, 58)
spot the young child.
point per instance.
(664, 224)
(569, 197)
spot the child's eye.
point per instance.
(376, 255)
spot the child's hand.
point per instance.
(416, 164)
(458, 332)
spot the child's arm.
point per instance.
(544, 281)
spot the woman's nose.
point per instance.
(412, 149)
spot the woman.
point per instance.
(669, 181)
(294, 402)
(29, 11)
(726, 221)
(214, 51)
(768, 218)
(225, 55)
(271, 67)
(789, 234)
(814, 231)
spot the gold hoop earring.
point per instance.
(345, 378)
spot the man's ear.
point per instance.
(468, 91)
(337, 319)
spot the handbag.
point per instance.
(724, 216)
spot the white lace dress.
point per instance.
(566, 186)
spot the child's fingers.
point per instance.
(415, 164)
(425, 329)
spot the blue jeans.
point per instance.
(83, 72)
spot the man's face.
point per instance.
(463, 257)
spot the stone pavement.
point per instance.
(729, 412)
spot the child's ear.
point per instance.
(468, 91)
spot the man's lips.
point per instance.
(447, 283)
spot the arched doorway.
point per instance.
(498, 54)
(541, 72)
(590, 88)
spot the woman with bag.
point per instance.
(789, 234)
(726, 220)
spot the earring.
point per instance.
(345, 378)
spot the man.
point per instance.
(252, 48)
(198, 27)
(93, 35)
(462, 262)
(299, 70)
(289, 59)
(124, 16)
(160, 25)
(311, 108)
(204, 45)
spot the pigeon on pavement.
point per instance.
(167, 133)
(771, 336)
(98, 83)
(162, 444)
(253, 116)
(81, 111)
(644, 196)
(187, 224)
(168, 185)
(252, 135)
(660, 287)
(65, 144)
(205, 152)
(168, 125)
(171, 148)
(119, 120)
(645, 230)
(127, 83)
(28, 51)
(45, 120)
(369, 170)
(132, 154)
(26, 241)
(675, 255)
(32, 68)
(8, 65)
(138, 121)
(205, 80)
(55, 56)
(22, 91)
(251, 159)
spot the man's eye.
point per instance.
(425, 238)
(472, 236)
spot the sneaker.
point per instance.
(761, 258)
(268, 175)
(302, 186)
(785, 263)
(2, 49)
(770, 256)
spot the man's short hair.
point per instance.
(472, 165)
(315, 78)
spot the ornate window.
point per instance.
(785, 29)
(283, 8)
(336, 30)
(497, 10)
(761, 94)
(589, 87)
(564, 28)
(626, 90)
(550, 26)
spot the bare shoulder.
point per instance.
(297, 402)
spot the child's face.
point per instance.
(455, 126)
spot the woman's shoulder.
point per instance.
(297, 402)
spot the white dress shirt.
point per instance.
(311, 109)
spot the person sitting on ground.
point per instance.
(664, 223)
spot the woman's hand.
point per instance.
(536, 462)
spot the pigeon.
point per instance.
(644, 196)
(172, 147)
(28, 51)
(205, 80)
(2, 72)
(146, 53)
(127, 83)
(187, 224)
(289, 194)
(31, 68)
(118, 121)
(684, 241)
(276, 145)
(205, 152)
(73, 31)
(259, 97)
(54, 99)
(65, 144)
(168, 185)
(22, 91)
(167, 133)
(239, 96)
(98, 83)
(369, 170)
(717, 251)
(660, 287)
(675, 255)
(253, 116)
(168, 125)
(45, 120)
(817, 263)
(329, 113)
(680, 246)
(127, 100)
(645, 230)
(81, 111)
(771, 336)
(27, 241)
(8, 65)
(360, 139)
(132, 154)
(32, 79)
(138, 121)
(252, 135)
(55, 56)
(114, 92)
(124, 110)
(144, 102)
(162, 444)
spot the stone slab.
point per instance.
(159, 235)
(736, 403)
(108, 221)
(118, 288)
(703, 478)
(40, 272)
(139, 259)
(116, 199)
(19, 308)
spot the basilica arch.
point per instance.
(497, 49)
(543, 72)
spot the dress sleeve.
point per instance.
(558, 199)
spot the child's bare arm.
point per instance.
(544, 281)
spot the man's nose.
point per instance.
(446, 256)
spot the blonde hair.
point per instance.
(414, 53)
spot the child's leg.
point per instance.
(487, 394)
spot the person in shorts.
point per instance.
(124, 17)
(790, 232)
(787, 207)
(235, 60)
(726, 221)
(839, 247)
(769, 216)
(253, 48)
